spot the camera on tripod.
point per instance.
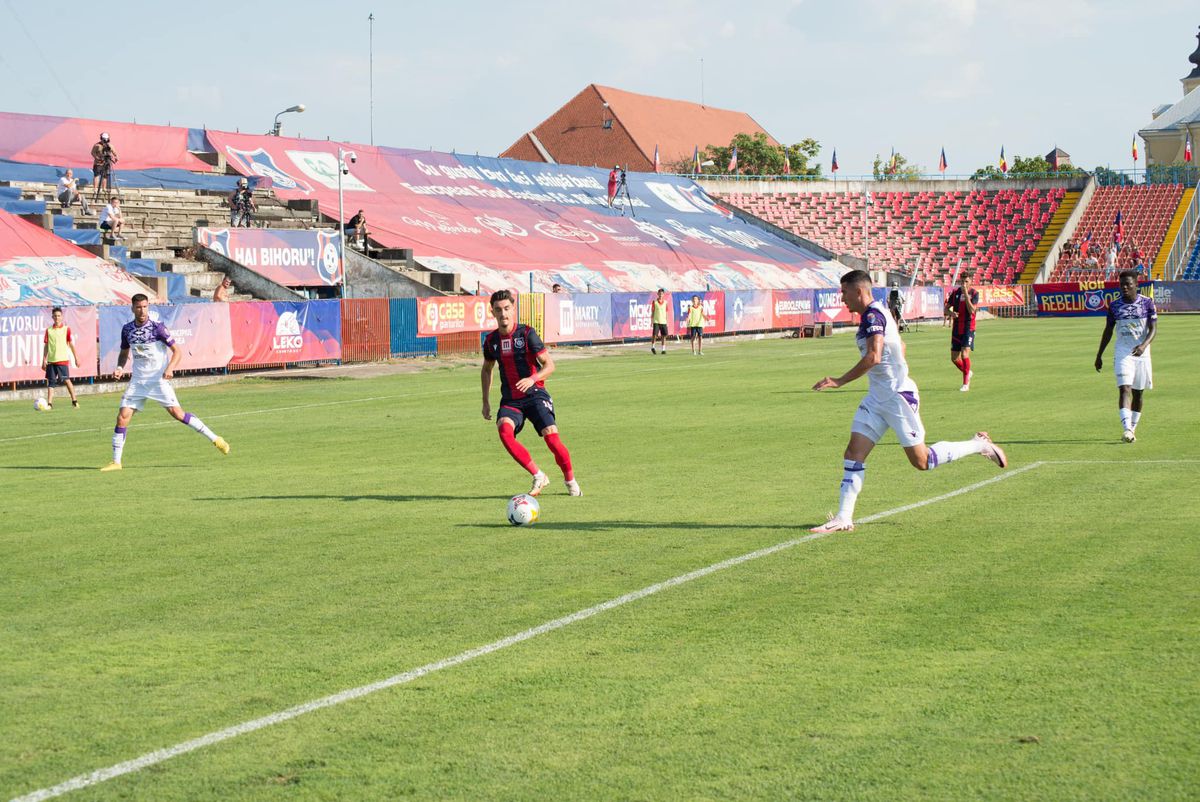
(622, 191)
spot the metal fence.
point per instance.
(366, 329)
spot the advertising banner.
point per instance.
(22, 341)
(1002, 296)
(202, 332)
(631, 313)
(448, 315)
(713, 304)
(285, 331)
(578, 317)
(1077, 298)
(919, 302)
(1177, 296)
(828, 307)
(291, 258)
(791, 308)
(748, 310)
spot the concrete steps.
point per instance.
(1160, 261)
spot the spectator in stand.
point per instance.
(68, 192)
(221, 293)
(614, 178)
(1092, 263)
(556, 288)
(1135, 250)
(1110, 262)
(355, 229)
(241, 205)
(1142, 271)
(111, 220)
(103, 159)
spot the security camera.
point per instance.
(354, 158)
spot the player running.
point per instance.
(961, 307)
(892, 402)
(150, 342)
(1136, 322)
(524, 366)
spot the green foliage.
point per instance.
(1031, 639)
(895, 168)
(757, 156)
(1031, 167)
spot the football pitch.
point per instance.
(1029, 633)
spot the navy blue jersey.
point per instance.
(517, 354)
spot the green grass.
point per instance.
(1036, 638)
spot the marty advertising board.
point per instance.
(577, 317)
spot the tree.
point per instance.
(896, 168)
(756, 156)
(1033, 167)
(803, 156)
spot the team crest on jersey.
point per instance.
(519, 342)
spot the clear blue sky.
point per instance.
(861, 75)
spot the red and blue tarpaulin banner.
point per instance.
(22, 341)
(1078, 298)
(449, 315)
(38, 268)
(792, 308)
(713, 304)
(67, 142)
(497, 221)
(202, 332)
(828, 307)
(631, 313)
(310, 258)
(273, 332)
(748, 310)
(577, 317)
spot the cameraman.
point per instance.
(241, 205)
(614, 180)
(103, 159)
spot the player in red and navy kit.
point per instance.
(524, 365)
(961, 306)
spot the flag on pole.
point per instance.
(657, 165)
(1135, 155)
(834, 167)
(696, 160)
(732, 160)
(942, 165)
(1187, 148)
(787, 163)
(1003, 161)
(892, 163)
(1119, 229)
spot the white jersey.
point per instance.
(150, 345)
(890, 376)
(1131, 322)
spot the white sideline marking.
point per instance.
(161, 755)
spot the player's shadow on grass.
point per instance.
(48, 467)
(352, 497)
(605, 526)
(1096, 441)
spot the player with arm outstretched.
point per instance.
(892, 402)
(1135, 321)
(150, 343)
(525, 363)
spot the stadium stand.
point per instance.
(1191, 271)
(993, 232)
(1146, 211)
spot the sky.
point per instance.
(863, 76)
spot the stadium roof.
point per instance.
(585, 131)
(1183, 114)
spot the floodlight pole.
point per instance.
(341, 229)
(371, 71)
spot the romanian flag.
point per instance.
(696, 160)
(892, 164)
(942, 165)
(732, 160)
(657, 165)
(787, 164)
(1135, 149)
(834, 167)
(1187, 148)
(1003, 161)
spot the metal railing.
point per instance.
(1186, 174)
(1180, 249)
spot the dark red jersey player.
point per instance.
(961, 306)
(524, 365)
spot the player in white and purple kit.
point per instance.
(155, 356)
(892, 402)
(1135, 321)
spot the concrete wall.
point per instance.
(366, 278)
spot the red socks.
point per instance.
(561, 455)
(966, 368)
(518, 451)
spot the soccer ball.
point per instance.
(523, 510)
(40, 404)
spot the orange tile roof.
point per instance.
(575, 134)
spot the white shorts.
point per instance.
(1134, 371)
(137, 393)
(900, 413)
